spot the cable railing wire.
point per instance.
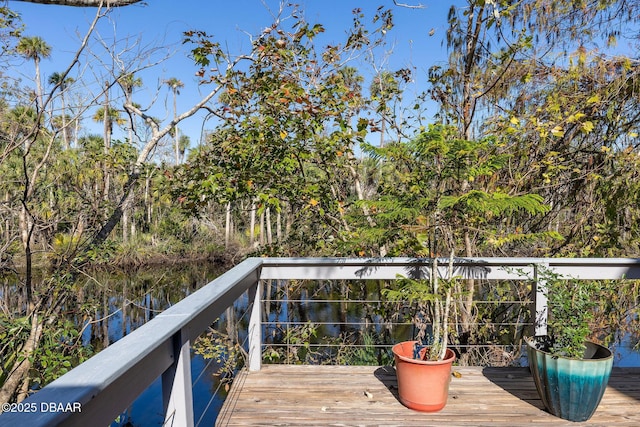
(243, 345)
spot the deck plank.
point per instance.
(302, 395)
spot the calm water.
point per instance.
(133, 298)
(297, 304)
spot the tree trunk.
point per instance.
(148, 202)
(116, 216)
(26, 229)
(261, 234)
(279, 226)
(268, 220)
(252, 225)
(125, 225)
(287, 226)
(85, 3)
(467, 309)
(65, 131)
(107, 142)
(132, 179)
(133, 230)
(383, 128)
(40, 102)
(22, 365)
(175, 128)
(227, 226)
(7, 222)
(76, 130)
(365, 210)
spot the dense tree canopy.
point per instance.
(530, 149)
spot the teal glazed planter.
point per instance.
(571, 388)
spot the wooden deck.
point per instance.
(292, 395)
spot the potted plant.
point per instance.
(570, 372)
(423, 366)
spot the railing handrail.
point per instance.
(269, 261)
(495, 268)
(110, 381)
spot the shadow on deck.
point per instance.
(302, 395)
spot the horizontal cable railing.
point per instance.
(110, 381)
(350, 322)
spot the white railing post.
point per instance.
(177, 392)
(255, 328)
(541, 300)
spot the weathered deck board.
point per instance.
(293, 395)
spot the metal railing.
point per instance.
(96, 392)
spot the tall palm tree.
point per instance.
(112, 116)
(184, 143)
(108, 116)
(35, 48)
(56, 79)
(128, 82)
(175, 86)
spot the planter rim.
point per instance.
(449, 355)
(531, 340)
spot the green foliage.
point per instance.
(432, 299)
(10, 27)
(33, 48)
(60, 350)
(497, 203)
(367, 353)
(62, 246)
(287, 138)
(13, 333)
(101, 254)
(294, 346)
(541, 157)
(571, 310)
(572, 307)
(226, 352)
(437, 183)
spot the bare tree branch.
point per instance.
(85, 3)
(410, 6)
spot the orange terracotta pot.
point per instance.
(423, 385)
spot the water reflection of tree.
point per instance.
(360, 314)
(114, 303)
(107, 306)
(343, 317)
(501, 317)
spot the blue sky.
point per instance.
(162, 22)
